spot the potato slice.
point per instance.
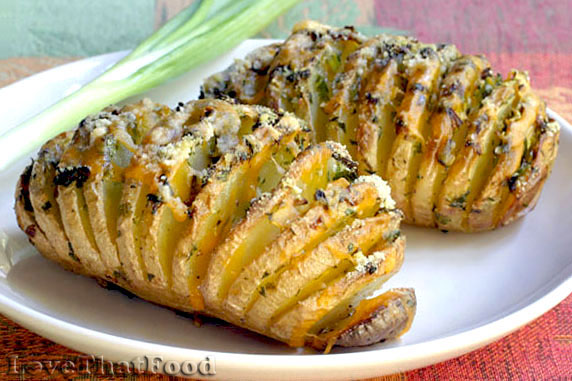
(376, 130)
(71, 174)
(104, 186)
(129, 235)
(102, 197)
(76, 221)
(236, 186)
(402, 108)
(476, 159)
(526, 183)
(42, 199)
(332, 303)
(341, 108)
(223, 201)
(252, 71)
(164, 214)
(27, 222)
(374, 320)
(163, 181)
(101, 151)
(447, 133)
(483, 212)
(327, 215)
(424, 72)
(303, 72)
(272, 214)
(309, 272)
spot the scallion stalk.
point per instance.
(195, 35)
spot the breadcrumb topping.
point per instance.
(383, 189)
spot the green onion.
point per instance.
(197, 34)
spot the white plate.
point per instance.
(472, 289)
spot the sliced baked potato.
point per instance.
(42, 196)
(442, 128)
(27, 219)
(224, 210)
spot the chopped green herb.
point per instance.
(354, 89)
(443, 220)
(322, 88)
(391, 236)
(344, 171)
(223, 175)
(194, 249)
(461, 201)
(334, 62)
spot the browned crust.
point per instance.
(311, 181)
(407, 112)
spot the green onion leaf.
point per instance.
(199, 33)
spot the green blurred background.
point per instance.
(65, 28)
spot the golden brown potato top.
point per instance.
(451, 137)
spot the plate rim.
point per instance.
(236, 365)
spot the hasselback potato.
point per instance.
(224, 210)
(462, 148)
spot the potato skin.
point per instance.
(392, 318)
(268, 217)
(46, 213)
(171, 205)
(317, 224)
(445, 133)
(26, 218)
(301, 324)
(426, 118)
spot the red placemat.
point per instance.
(535, 36)
(541, 350)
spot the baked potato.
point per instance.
(462, 148)
(223, 210)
